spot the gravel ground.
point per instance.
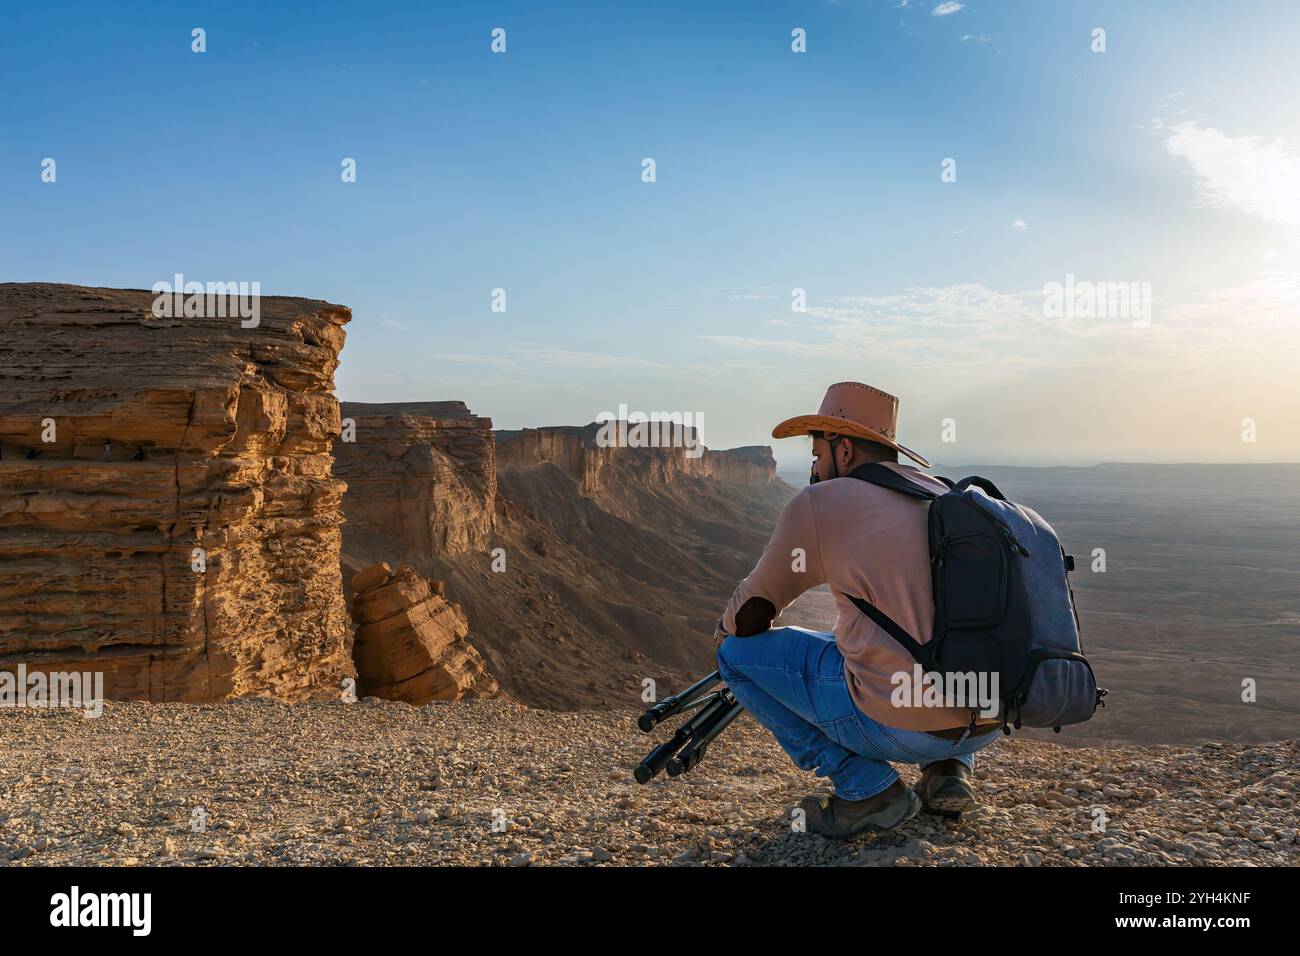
(494, 783)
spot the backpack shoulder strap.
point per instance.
(875, 473)
(890, 627)
(983, 484)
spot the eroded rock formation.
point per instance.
(410, 643)
(583, 566)
(167, 510)
(421, 478)
(751, 465)
(587, 453)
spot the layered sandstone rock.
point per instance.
(583, 564)
(201, 559)
(410, 643)
(421, 478)
(751, 465)
(662, 454)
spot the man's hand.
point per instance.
(754, 617)
(719, 635)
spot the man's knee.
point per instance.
(736, 652)
(726, 654)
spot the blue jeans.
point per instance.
(792, 681)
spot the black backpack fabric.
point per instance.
(1002, 603)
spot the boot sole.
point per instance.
(951, 801)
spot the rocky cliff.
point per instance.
(751, 465)
(410, 642)
(583, 452)
(588, 453)
(613, 562)
(168, 514)
(421, 478)
(583, 567)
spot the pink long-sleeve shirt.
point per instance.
(870, 542)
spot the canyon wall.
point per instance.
(588, 455)
(168, 514)
(750, 465)
(421, 479)
(581, 567)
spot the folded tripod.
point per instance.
(715, 710)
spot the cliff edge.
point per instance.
(168, 514)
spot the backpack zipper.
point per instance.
(1003, 527)
(1011, 539)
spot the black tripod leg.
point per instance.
(675, 704)
(692, 752)
(662, 755)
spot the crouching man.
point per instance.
(830, 698)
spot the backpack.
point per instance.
(1002, 604)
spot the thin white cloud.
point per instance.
(551, 358)
(1020, 225)
(978, 332)
(976, 37)
(526, 360)
(1240, 172)
(946, 8)
(564, 358)
(920, 327)
(473, 358)
(1271, 300)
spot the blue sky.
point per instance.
(1169, 159)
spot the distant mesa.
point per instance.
(436, 410)
(576, 449)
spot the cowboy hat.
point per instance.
(852, 410)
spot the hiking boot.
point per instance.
(839, 818)
(945, 788)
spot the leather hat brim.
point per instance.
(807, 424)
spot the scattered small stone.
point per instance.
(316, 783)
